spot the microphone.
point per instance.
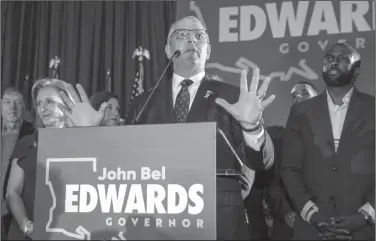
(177, 53)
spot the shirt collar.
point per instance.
(177, 79)
(345, 99)
(5, 129)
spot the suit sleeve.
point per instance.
(371, 197)
(292, 163)
(257, 160)
(277, 200)
(276, 196)
(268, 152)
(369, 205)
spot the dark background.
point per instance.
(89, 38)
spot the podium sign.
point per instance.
(130, 182)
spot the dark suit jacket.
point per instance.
(277, 198)
(26, 154)
(26, 129)
(255, 210)
(8, 148)
(339, 183)
(276, 195)
(231, 219)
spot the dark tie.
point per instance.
(182, 101)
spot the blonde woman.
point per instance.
(21, 185)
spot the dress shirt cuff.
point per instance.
(254, 140)
(307, 209)
(309, 215)
(369, 209)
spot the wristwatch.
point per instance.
(257, 127)
(369, 219)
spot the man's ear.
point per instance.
(208, 51)
(168, 51)
(356, 72)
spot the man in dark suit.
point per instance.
(257, 225)
(189, 97)
(207, 103)
(13, 128)
(13, 113)
(302, 91)
(328, 160)
(276, 197)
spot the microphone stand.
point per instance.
(176, 54)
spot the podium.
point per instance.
(153, 182)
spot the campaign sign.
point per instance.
(153, 182)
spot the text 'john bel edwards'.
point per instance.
(123, 195)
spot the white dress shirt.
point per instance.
(337, 118)
(176, 87)
(337, 115)
(251, 140)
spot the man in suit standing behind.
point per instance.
(302, 91)
(328, 160)
(276, 197)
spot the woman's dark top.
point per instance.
(26, 153)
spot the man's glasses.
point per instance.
(183, 34)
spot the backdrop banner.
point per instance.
(286, 40)
(118, 183)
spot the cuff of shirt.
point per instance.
(368, 209)
(306, 210)
(254, 140)
(310, 214)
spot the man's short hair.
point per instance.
(358, 59)
(172, 27)
(305, 83)
(343, 44)
(10, 90)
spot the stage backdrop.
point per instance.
(285, 39)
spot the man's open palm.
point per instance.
(248, 110)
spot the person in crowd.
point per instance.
(14, 127)
(256, 212)
(280, 210)
(12, 114)
(302, 91)
(328, 155)
(112, 114)
(189, 97)
(21, 185)
(276, 196)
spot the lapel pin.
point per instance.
(208, 93)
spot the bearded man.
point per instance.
(328, 155)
